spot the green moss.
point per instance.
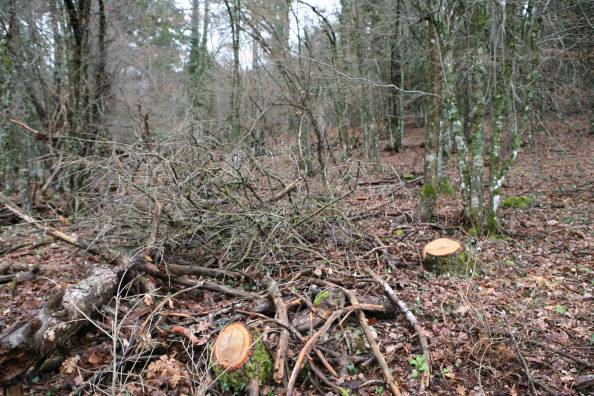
(259, 366)
(445, 187)
(408, 176)
(428, 191)
(462, 264)
(519, 202)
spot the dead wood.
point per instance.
(57, 322)
(20, 277)
(111, 256)
(314, 339)
(179, 269)
(283, 343)
(290, 187)
(584, 382)
(316, 315)
(412, 320)
(154, 270)
(373, 345)
(566, 355)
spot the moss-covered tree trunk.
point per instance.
(474, 207)
(430, 188)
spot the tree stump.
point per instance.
(446, 256)
(240, 362)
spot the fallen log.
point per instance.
(31, 342)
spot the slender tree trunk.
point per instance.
(101, 83)
(430, 189)
(396, 126)
(233, 11)
(475, 207)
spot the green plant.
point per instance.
(398, 233)
(560, 309)
(352, 369)
(419, 364)
(520, 202)
(321, 297)
(378, 390)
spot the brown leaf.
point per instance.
(94, 359)
(148, 299)
(69, 365)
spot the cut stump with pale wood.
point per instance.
(240, 360)
(447, 256)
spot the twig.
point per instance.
(325, 362)
(522, 360)
(38, 135)
(290, 187)
(315, 337)
(292, 329)
(111, 256)
(373, 345)
(20, 277)
(562, 353)
(179, 269)
(152, 269)
(322, 377)
(154, 230)
(411, 319)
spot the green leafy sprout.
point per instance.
(419, 364)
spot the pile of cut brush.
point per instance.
(227, 338)
(251, 308)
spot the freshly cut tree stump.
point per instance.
(444, 255)
(240, 361)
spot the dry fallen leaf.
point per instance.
(148, 299)
(94, 358)
(50, 335)
(69, 365)
(166, 367)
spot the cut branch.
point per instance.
(111, 256)
(411, 319)
(283, 343)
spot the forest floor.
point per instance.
(523, 325)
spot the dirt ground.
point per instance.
(529, 312)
